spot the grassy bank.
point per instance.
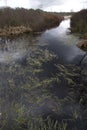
(79, 22)
(79, 25)
(20, 20)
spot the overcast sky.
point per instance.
(48, 5)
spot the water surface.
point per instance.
(58, 40)
(41, 75)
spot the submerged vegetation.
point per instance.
(20, 20)
(28, 100)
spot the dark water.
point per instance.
(41, 75)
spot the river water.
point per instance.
(40, 75)
(63, 43)
(58, 39)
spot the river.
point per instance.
(58, 39)
(63, 43)
(41, 75)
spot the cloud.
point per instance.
(59, 5)
(48, 5)
(85, 1)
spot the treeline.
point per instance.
(66, 13)
(37, 20)
(79, 22)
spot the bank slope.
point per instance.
(79, 22)
(79, 25)
(20, 20)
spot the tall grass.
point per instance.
(79, 21)
(47, 124)
(35, 19)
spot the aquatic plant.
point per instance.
(26, 90)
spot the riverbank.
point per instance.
(7, 31)
(78, 22)
(20, 20)
(79, 26)
(82, 45)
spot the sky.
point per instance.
(47, 5)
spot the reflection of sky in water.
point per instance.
(11, 50)
(63, 43)
(58, 39)
(62, 33)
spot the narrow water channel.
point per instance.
(63, 43)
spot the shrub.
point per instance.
(79, 22)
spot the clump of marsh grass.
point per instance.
(47, 124)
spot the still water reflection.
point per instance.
(57, 40)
